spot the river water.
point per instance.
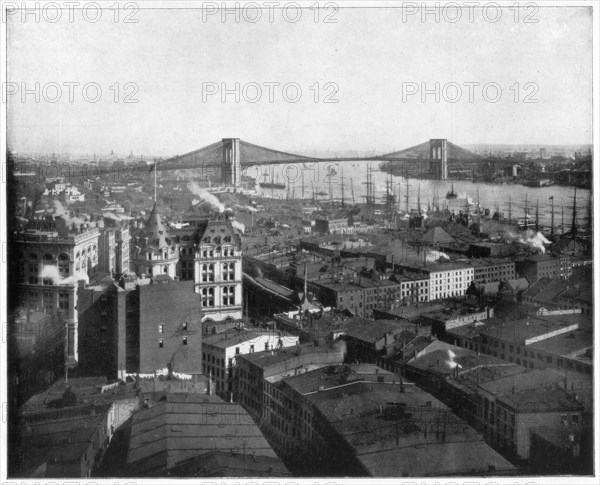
(326, 177)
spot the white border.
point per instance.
(312, 481)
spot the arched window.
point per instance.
(48, 257)
(33, 256)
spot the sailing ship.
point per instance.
(272, 184)
(451, 194)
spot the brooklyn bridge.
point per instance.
(226, 160)
(433, 159)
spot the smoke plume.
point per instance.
(198, 191)
(239, 226)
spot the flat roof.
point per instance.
(531, 326)
(334, 376)
(572, 345)
(269, 358)
(535, 390)
(60, 441)
(374, 330)
(444, 361)
(391, 431)
(85, 388)
(236, 336)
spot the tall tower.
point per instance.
(438, 151)
(231, 170)
(155, 252)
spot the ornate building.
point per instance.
(53, 256)
(154, 252)
(208, 252)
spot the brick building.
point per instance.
(141, 326)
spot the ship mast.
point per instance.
(352, 190)
(574, 229)
(478, 214)
(342, 182)
(552, 216)
(526, 213)
(369, 198)
(407, 195)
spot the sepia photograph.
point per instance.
(299, 242)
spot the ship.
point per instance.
(451, 194)
(271, 185)
(538, 183)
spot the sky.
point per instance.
(373, 62)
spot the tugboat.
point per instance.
(451, 194)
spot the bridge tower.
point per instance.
(231, 170)
(438, 151)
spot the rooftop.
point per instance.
(574, 344)
(372, 331)
(230, 464)
(534, 391)
(59, 441)
(181, 427)
(269, 358)
(87, 390)
(531, 328)
(445, 362)
(391, 430)
(338, 376)
(235, 336)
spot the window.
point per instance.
(266, 345)
(208, 297)
(185, 326)
(161, 343)
(184, 341)
(228, 271)
(228, 295)
(251, 348)
(161, 329)
(63, 300)
(237, 351)
(208, 272)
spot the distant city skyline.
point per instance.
(372, 55)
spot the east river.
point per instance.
(326, 178)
